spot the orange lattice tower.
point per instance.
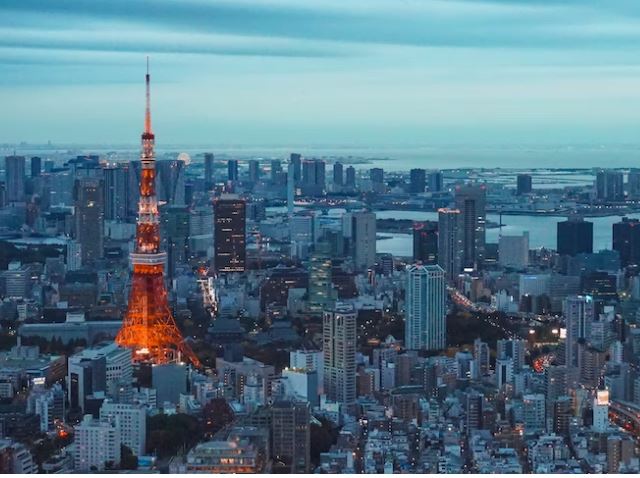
(148, 327)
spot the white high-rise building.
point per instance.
(601, 411)
(96, 443)
(339, 350)
(425, 308)
(309, 360)
(132, 421)
(513, 251)
(579, 313)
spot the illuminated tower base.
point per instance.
(148, 327)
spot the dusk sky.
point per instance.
(329, 72)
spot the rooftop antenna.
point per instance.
(147, 116)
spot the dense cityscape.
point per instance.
(197, 314)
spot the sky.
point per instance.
(322, 72)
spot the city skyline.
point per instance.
(282, 72)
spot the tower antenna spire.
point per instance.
(147, 115)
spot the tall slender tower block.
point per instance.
(148, 327)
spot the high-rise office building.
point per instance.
(360, 228)
(425, 308)
(254, 170)
(338, 176)
(296, 160)
(523, 184)
(470, 200)
(208, 170)
(575, 236)
(450, 241)
(417, 181)
(339, 351)
(626, 240)
(425, 242)
(170, 181)
(89, 218)
(376, 175)
(350, 177)
(14, 178)
(633, 183)
(229, 234)
(116, 192)
(291, 435)
(513, 251)
(313, 177)
(36, 166)
(276, 170)
(610, 185)
(175, 227)
(321, 294)
(579, 313)
(232, 170)
(434, 181)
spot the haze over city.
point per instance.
(329, 73)
(328, 237)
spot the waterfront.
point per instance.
(542, 230)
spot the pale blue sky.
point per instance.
(357, 72)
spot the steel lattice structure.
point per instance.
(148, 327)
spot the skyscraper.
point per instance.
(434, 181)
(338, 177)
(339, 350)
(89, 218)
(376, 175)
(425, 242)
(232, 170)
(523, 184)
(350, 177)
(296, 160)
(418, 181)
(313, 177)
(626, 240)
(254, 171)
(362, 233)
(470, 201)
(425, 308)
(320, 285)
(116, 192)
(14, 178)
(575, 236)
(208, 170)
(610, 185)
(450, 241)
(579, 314)
(229, 213)
(276, 169)
(36, 166)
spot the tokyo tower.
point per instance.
(148, 327)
